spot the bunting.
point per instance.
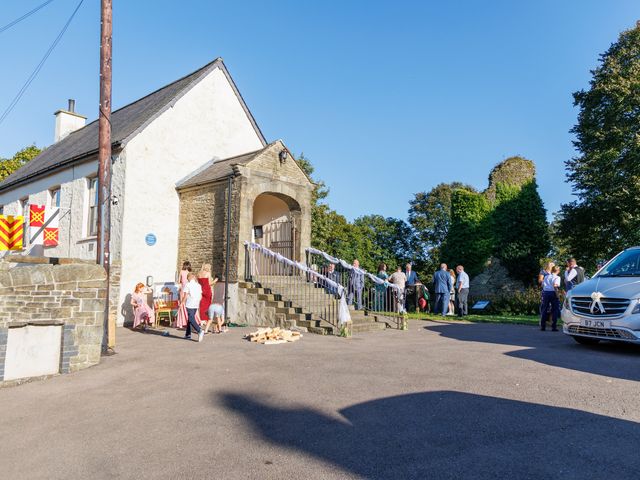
(11, 232)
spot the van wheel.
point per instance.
(586, 340)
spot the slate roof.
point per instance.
(217, 169)
(125, 123)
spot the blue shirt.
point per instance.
(463, 279)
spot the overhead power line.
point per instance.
(35, 72)
(26, 15)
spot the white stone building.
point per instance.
(159, 141)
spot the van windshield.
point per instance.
(627, 264)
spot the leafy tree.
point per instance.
(469, 239)
(391, 238)
(10, 165)
(430, 217)
(519, 229)
(606, 172)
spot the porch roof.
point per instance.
(217, 169)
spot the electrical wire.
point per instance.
(26, 15)
(35, 72)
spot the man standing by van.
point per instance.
(573, 274)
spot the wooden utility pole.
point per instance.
(104, 162)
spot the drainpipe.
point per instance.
(228, 253)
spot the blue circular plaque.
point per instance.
(150, 239)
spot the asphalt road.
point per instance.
(455, 401)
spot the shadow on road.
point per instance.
(611, 359)
(451, 435)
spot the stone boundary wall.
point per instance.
(71, 293)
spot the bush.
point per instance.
(526, 302)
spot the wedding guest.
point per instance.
(356, 285)
(379, 301)
(412, 277)
(216, 312)
(332, 275)
(399, 279)
(452, 293)
(193, 294)
(442, 287)
(550, 286)
(210, 309)
(462, 291)
(143, 313)
(205, 281)
(181, 318)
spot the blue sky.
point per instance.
(385, 98)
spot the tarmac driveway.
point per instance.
(441, 400)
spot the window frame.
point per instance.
(92, 206)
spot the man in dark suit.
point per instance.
(412, 278)
(442, 286)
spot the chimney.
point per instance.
(68, 121)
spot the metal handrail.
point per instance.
(299, 287)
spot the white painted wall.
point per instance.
(74, 241)
(67, 122)
(206, 123)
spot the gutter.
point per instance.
(116, 146)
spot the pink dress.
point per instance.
(142, 311)
(181, 318)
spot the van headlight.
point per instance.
(636, 309)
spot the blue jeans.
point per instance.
(549, 299)
(191, 315)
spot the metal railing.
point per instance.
(365, 291)
(311, 293)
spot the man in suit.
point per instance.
(356, 285)
(442, 286)
(412, 278)
(332, 275)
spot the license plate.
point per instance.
(587, 322)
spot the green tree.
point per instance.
(606, 172)
(430, 217)
(469, 239)
(10, 165)
(391, 239)
(519, 229)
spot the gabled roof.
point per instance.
(217, 169)
(126, 122)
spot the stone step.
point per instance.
(320, 330)
(368, 327)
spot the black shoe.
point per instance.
(542, 329)
(554, 329)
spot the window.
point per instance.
(54, 197)
(1, 209)
(93, 207)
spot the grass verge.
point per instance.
(513, 319)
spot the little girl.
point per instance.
(143, 313)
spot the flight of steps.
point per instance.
(287, 304)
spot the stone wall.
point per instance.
(203, 227)
(71, 294)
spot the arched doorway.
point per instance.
(276, 219)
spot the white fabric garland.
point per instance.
(343, 312)
(344, 264)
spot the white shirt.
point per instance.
(194, 294)
(570, 275)
(550, 282)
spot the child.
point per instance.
(143, 313)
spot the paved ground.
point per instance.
(438, 401)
